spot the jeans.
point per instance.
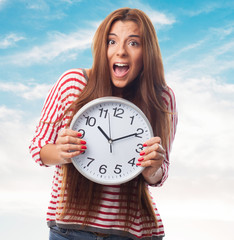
(57, 233)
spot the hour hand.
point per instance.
(102, 131)
(130, 135)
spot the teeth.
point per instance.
(121, 64)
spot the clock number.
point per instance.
(82, 131)
(139, 132)
(91, 121)
(140, 148)
(91, 160)
(118, 112)
(132, 161)
(132, 118)
(103, 169)
(118, 169)
(104, 112)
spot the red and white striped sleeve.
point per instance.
(64, 92)
(170, 101)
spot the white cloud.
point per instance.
(207, 7)
(38, 5)
(224, 31)
(201, 176)
(206, 121)
(159, 19)
(21, 179)
(44, 10)
(59, 45)
(31, 91)
(64, 46)
(212, 55)
(24, 186)
(2, 3)
(10, 40)
(213, 62)
(71, 1)
(199, 188)
(185, 49)
(199, 191)
(13, 87)
(38, 91)
(227, 47)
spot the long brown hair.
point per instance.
(79, 195)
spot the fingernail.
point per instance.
(82, 151)
(83, 142)
(142, 153)
(79, 134)
(144, 145)
(83, 147)
(138, 164)
(140, 159)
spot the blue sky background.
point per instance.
(39, 40)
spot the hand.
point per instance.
(68, 145)
(152, 158)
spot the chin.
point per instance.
(119, 84)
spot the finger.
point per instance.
(152, 141)
(69, 132)
(152, 163)
(72, 147)
(152, 156)
(68, 151)
(68, 155)
(72, 141)
(63, 140)
(70, 137)
(151, 160)
(154, 148)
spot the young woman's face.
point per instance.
(124, 52)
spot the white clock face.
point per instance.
(115, 131)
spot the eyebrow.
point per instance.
(132, 35)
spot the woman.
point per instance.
(127, 63)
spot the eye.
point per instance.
(111, 42)
(133, 43)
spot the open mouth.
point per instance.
(120, 69)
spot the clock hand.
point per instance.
(101, 130)
(130, 135)
(110, 141)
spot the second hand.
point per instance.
(110, 133)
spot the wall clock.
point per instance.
(115, 130)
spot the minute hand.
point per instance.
(130, 135)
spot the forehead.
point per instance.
(127, 27)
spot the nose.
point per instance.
(121, 50)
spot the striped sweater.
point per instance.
(108, 220)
